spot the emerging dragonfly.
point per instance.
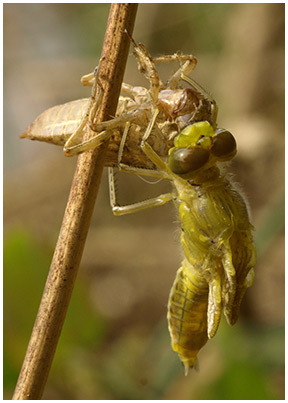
(217, 241)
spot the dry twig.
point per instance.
(70, 245)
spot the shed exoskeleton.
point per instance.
(67, 124)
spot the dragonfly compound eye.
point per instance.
(183, 160)
(223, 145)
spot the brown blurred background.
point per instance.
(115, 342)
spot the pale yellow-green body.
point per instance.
(218, 266)
(187, 313)
(219, 254)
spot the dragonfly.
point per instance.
(177, 139)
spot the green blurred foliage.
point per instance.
(254, 357)
(241, 380)
(22, 260)
(187, 24)
(25, 258)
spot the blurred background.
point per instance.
(115, 342)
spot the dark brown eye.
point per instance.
(183, 160)
(223, 144)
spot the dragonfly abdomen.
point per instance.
(187, 314)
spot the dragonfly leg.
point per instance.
(142, 205)
(137, 171)
(151, 154)
(72, 145)
(214, 305)
(187, 64)
(88, 144)
(230, 281)
(116, 122)
(147, 67)
(88, 79)
(104, 130)
(135, 207)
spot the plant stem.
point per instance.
(71, 241)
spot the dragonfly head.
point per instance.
(199, 146)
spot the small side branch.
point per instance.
(72, 237)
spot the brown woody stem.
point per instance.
(71, 241)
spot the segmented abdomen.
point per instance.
(187, 314)
(217, 269)
(56, 124)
